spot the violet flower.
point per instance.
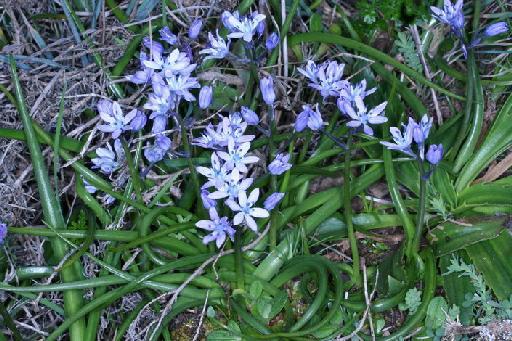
(167, 36)
(451, 15)
(272, 41)
(205, 97)
(207, 202)
(195, 28)
(220, 228)
(496, 29)
(309, 118)
(107, 160)
(267, 90)
(232, 187)
(156, 152)
(236, 157)
(435, 154)
(111, 113)
(250, 117)
(245, 210)
(218, 48)
(349, 94)
(280, 164)
(242, 27)
(138, 122)
(273, 200)
(180, 86)
(155, 48)
(176, 63)
(3, 232)
(363, 117)
(402, 141)
(326, 78)
(217, 175)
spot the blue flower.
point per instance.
(451, 15)
(272, 41)
(236, 157)
(205, 97)
(167, 36)
(403, 141)
(218, 48)
(273, 200)
(176, 63)
(326, 78)
(195, 28)
(242, 27)
(491, 31)
(207, 202)
(155, 48)
(420, 132)
(144, 75)
(249, 116)
(180, 85)
(280, 164)
(108, 160)
(309, 118)
(220, 228)
(349, 94)
(267, 90)
(363, 117)
(435, 154)
(111, 113)
(157, 151)
(217, 175)
(139, 121)
(232, 186)
(245, 210)
(3, 232)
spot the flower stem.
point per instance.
(239, 268)
(421, 207)
(347, 204)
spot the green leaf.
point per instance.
(412, 301)
(498, 140)
(223, 335)
(493, 259)
(255, 289)
(436, 313)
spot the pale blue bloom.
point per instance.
(363, 117)
(435, 154)
(195, 28)
(250, 117)
(205, 97)
(167, 36)
(160, 100)
(176, 63)
(144, 75)
(280, 165)
(309, 118)
(156, 152)
(403, 141)
(349, 94)
(180, 86)
(273, 200)
(420, 132)
(3, 232)
(232, 187)
(242, 27)
(107, 160)
(272, 41)
(207, 140)
(155, 48)
(112, 114)
(217, 175)
(236, 157)
(88, 187)
(246, 212)
(267, 90)
(326, 78)
(496, 29)
(207, 202)
(451, 15)
(138, 122)
(220, 228)
(217, 47)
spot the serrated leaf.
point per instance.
(493, 259)
(436, 313)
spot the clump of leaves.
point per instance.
(412, 301)
(379, 14)
(405, 45)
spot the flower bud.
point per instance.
(205, 96)
(435, 154)
(195, 28)
(272, 41)
(267, 90)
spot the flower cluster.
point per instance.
(415, 134)
(227, 177)
(327, 78)
(453, 16)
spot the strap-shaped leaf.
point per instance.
(492, 259)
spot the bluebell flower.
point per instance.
(451, 15)
(206, 140)
(167, 36)
(242, 27)
(272, 41)
(163, 142)
(232, 187)
(227, 21)
(309, 118)
(217, 175)
(349, 94)
(205, 96)
(88, 187)
(435, 154)
(236, 157)
(273, 200)
(139, 121)
(260, 29)
(112, 114)
(326, 78)
(496, 29)
(207, 202)
(363, 117)
(246, 212)
(280, 165)
(3, 232)
(195, 28)
(155, 48)
(249, 116)
(421, 130)
(107, 160)
(142, 76)
(176, 63)
(217, 47)
(402, 141)
(267, 90)
(180, 86)
(156, 152)
(220, 228)
(232, 128)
